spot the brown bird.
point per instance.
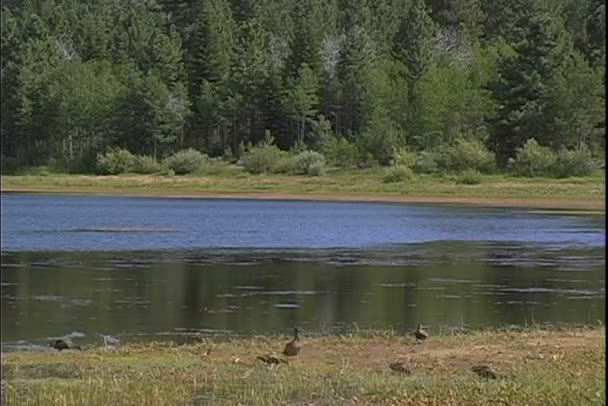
(271, 359)
(400, 367)
(63, 345)
(293, 347)
(485, 371)
(420, 333)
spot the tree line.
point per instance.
(369, 76)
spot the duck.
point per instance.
(400, 367)
(293, 347)
(63, 345)
(271, 359)
(420, 333)
(485, 371)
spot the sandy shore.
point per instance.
(595, 206)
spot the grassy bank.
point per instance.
(572, 193)
(537, 367)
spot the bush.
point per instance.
(186, 161)
(115, 161)
(534, 160)
(573, 163)
(316, 169)
(146, 164)
(469, 177)
(426, 162)
(262, 158)
(305, 159)
(398, 174)
(339, 151)
(463, 155)
(285, 165)
(404, 157)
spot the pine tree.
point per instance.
(522, 86)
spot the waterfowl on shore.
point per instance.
(485, 371)
(293, 347)
(401, 368)
(271, 359)
(420, 333)
(63, 345)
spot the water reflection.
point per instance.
(168, 294)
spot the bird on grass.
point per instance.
(485, 371)
(401, 368)
(271, 359)
(293, 347)
(63, 345)
(420, 334)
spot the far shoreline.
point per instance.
(541, 205)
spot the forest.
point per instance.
(435, 85)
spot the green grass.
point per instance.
(585, 192)
(538, 367)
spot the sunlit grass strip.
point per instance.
(539, 367)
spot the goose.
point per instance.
(293, 347)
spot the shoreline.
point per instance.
(543, 205)
(534, 366)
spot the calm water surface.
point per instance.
(153, 268)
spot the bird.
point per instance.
(485, 371)
(293, 347)
(63, 345)
(271, 359)
(400, 367)
(420, 333)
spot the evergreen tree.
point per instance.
(522, 87)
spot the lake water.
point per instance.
(157, 268)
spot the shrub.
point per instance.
(463, 155)
(316, 169)
(398, 174)
(285, 164)
(472, 154)
(533, 160)
(262, 158)
(186, 161)
(305, 159)
(573, 163)
(404, 157)
(339, 151)
(146, 164)
(115, 161)
(469, 177)
(426, 162)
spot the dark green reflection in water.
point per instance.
(156, 295)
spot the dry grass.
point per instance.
(539, 367)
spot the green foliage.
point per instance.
(115, 161)
(186, 161)
(309, 162)
(405, 157)
(339, 151)
(263, 158)
(398, 174)
(574, 163)
(469, 177)
(467, 154)
(146, 164)
(355, 80)
(534, 160)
